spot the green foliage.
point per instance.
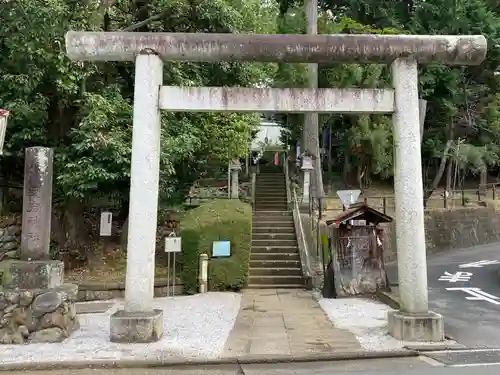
(462, 102)
(229, 220)
(84, 110)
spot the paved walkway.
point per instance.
(284, 321)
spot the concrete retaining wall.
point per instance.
(96, 291)
(452, 229)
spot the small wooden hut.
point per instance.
(356, 259)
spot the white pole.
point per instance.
(229, 180)
(139, 289)
(203, 273)
(408, 186)
(307, 183)
(234, 183)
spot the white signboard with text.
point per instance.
(106, 221)
(172, 244)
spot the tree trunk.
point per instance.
(449, 175)
(346, 169)
(439, 173)
(74, 230)
(330, 156)
(361, 170)
(449, 172)
(69, 234)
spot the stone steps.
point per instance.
(274, 257)
(273, 229)
(274, 263)
(276, 271)
(257, 226)
(276, 236)
(274, 249)
(268, 243)
(271, 185)
(264, 208)
(274, 260)
(259, 219)
(268, 199)
(277, 281)
(274, 286)
(270, 192)
(273, 216)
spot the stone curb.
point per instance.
(242, 360)
(389, 299)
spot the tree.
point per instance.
(461, 100)
(83, 110)
(366, 140)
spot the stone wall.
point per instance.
(93, 291)
(36, 316)
(452, 229)
(10, 238)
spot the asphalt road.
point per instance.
(472, 322)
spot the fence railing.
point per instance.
(456, 198)
(196, 201)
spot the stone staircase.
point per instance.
(274, 260)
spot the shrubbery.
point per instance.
(219, 220)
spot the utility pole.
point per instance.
(310, 131)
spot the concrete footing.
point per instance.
(416, 327)
(136, 327)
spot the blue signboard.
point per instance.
(221, 249)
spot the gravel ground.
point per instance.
(366, 319)
(195, 327)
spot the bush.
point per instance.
(229, 220)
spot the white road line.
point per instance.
(464, 351)
(476, 365)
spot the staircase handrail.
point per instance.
(299, 228)
(253, 181)
(287, 180)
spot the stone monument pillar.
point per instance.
(37, 203)
(235, 168)
(34, 294)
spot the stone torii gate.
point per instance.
(139, 322)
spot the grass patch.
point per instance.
(229, 220)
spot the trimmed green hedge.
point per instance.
(219, 220)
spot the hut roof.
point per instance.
(361, 211)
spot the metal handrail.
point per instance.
(287, 179)
(299, 228)
(253, 183)
(302, 234)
